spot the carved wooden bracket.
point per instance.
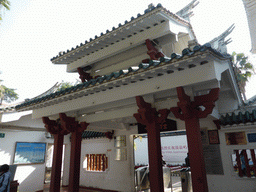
(83, 75)
(187, 109)
(109, 134)
(70, 124)
(152, 51)
(53, 127)
(64, 126)
(147, 115)
(50, 125)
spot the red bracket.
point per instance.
(152, 51)
(50, 125)
(53, 127)
(188, 109)
(83, 75)
(71, 125)
(68, 123)
(147, 115)
(109, 134)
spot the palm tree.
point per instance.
(243, 69)
(4, 4)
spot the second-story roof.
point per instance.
(152, 16)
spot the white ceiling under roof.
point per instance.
(250, 8)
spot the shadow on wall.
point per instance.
(30, 177)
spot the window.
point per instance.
(95, 162)
(244, 162)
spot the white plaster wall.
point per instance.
(30, 177)
(120, 174)
(227, 102)
(230, 181)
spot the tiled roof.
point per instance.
(81, 50)
(250, 101)
(124, 77)
(92, 134)
(239, 118)
(7, 109)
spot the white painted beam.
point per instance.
(21, 128)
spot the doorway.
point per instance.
(48, 164)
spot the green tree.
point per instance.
(243, 69)
(4, 4)
(7, 94)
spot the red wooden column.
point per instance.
(238, 160)
(69, 124)
(190, 112)
(253, 160)
(54, 128)
(248, 172)
(151, 118)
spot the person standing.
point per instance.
(5, 176)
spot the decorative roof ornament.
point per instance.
(219, 43)
(187, 12)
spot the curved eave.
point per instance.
(140, 24)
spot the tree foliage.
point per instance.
(4, 4)
(64, 85)
(7, 94)
(243, 68)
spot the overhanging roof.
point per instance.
(124, 77)
(152, 16)
(92, 134)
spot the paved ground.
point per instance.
(65, 189)
(176, 187)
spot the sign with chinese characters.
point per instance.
(236, 138)
(29, 153)
(174, 149)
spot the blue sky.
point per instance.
(34, 31)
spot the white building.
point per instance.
(149, 56)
